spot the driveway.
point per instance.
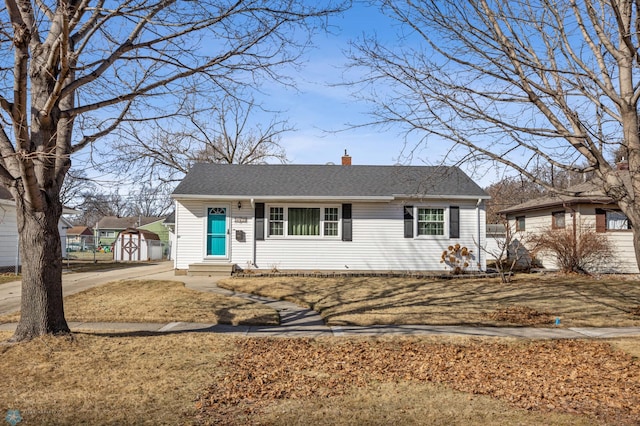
(75, 282)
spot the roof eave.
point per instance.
(281, 197)
(441, 197)
(559, 203)
(376, 198)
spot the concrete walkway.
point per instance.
(295, 321)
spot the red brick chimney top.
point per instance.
(623, 165)
(346, 159)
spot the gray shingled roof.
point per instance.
(277, 180)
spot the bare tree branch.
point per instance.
(75, 71)
(522, 82)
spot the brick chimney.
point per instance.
(346, 159)
(621, 165)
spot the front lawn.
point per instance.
(160, 301)
(531, 300)
(204, 378)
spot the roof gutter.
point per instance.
(440, 197)
(258, 198)
(375, 198)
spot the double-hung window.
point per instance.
(276, 221)
(303, 221)
(431, 221)
(331, 217)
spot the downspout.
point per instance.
(175, 238)
(575, 233)
(253, 243)
(479, 234)
(18, 254)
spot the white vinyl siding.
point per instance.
(8, 235)
(378, 244)
(378, 240)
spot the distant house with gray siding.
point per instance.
(326, 217)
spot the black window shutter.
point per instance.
(454, 222)
(260, 221)
(408, 221)
(347, 223)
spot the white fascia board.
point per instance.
(259, 198)
(7, 203)
(441, 197)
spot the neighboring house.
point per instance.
(80, 238)
(9, 255)
(134, 245)
(590, 209)
(170, 225)
(326, 217)
(109, 227)
(495, 242)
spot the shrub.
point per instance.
(583, 252)
(457, 257)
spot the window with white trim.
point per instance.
(431, 221)
(276, 221)
(304, 221)
(331, 221)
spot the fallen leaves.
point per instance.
(585, 377)
(521, 315)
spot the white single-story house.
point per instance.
(9, 254)
(326, 217)
(588, 210)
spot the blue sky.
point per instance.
(322, 110)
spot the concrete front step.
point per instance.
(204, 269)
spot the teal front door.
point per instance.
(216, 231)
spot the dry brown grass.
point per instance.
(99, 265)
(160, 301)
(577, 300)
(8, 277)
(97, 379)
(158, 379)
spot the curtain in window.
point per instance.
(304, 221)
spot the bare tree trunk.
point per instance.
(40, 250)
